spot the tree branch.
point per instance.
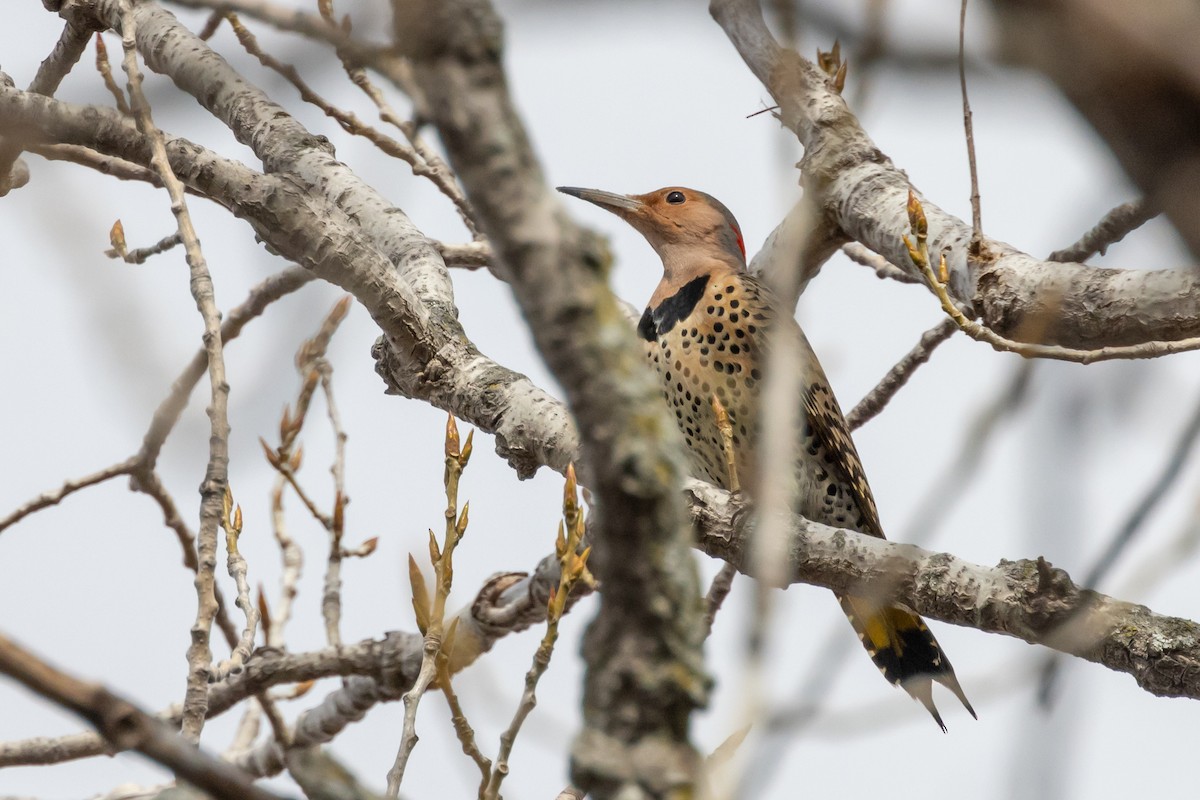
(1026, 599)
(864, 195)
(1131, 71)
(127, 727)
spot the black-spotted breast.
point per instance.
(705, 330)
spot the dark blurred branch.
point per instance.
(1131, 70)
(1112, 228)
(645, 669)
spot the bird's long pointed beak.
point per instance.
(619, 204)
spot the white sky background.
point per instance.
(627, 97)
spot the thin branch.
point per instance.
(1171, 470)
(976, 215)
(347, 120)
(313, 26)
(429, 164)
(898, 375)
(1134, 524)
(169, 410)
(431, 612)
(474, 255)
(105, 70)
(884, 269)
(142, 254)
(47, 499)
(216, 474)
(231, 522)
(718, 590)
(1112, 228)
(573, 569)
(127, 727)
(106, 165)
(287, 457)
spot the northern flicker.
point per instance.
(704, 332)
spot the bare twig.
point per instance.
(126, 727)
(293, 564)
(231, 522)
(884, 269)
(976, 215)
(718, 590)
(213, 487)
(47, 499)
(573, 568)
(169, 410)
(105, 70)
(462, 728)
(106, 165)
(347, 120)
(315, 369)
(897, 376)
(1112, 228)
(140, 255)
(428, 163)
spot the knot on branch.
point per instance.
(497, 615)
(398, 663)
(81, 14)
(1051, 597)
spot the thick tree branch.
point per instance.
(1026, 599)
(425, 353)
(863, 196)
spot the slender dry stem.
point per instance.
(898, 375)
(968, 128)
(431, 615)
(573, 568)
(231, 522)
(212, 490)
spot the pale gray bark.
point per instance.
(863, 197)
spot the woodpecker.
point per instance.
(704, 332)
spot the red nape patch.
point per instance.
(741, 245)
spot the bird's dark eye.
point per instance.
(675, 198)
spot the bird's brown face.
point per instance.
(673, 217)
